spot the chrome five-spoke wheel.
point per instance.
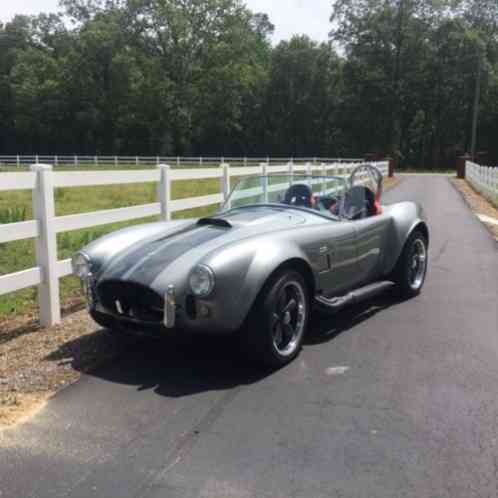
(411, 268)
(289, 318)
(418, 264)
(279, 319)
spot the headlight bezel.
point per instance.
(200, 289)
(81, 265)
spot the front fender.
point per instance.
(241, 272)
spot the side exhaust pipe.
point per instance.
(361, 294)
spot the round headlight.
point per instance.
(81, 265)
(202, 281)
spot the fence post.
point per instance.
(95, 160)
(164, 188)
(116, 161)
(178, 160)
(76, 160)
(391, 167)
(225, 181)
(157, 160)
(46, 245)
(56, 160)
(200, 161)
(461, 166)
(18, 160)
(309, 172)
(323, 168)
(245, 161)
(36, 159)
(136, 160)
(291, 172)
(264, 172)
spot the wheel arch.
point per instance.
(421, 226)
(418, 225)
(295, 263)
(301, 266)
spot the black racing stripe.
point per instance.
(145, 264)
(129, 257)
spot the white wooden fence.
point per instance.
(116, 161)
(45, 226)
(484, 179)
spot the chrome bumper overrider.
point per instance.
(169, 307)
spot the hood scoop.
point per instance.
(218, 222)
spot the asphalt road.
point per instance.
(414, 413)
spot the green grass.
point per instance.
(19, 255)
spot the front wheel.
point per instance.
(411, 269)
(279, 319)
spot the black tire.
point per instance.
(411, 268)
(103, 320)
(109, 324)
(276, 327)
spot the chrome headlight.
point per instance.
(201, 281)
(81, 265)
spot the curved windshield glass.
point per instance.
(320, 193)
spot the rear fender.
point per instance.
(407, 217)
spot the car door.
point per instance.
(371, 236)
(333, 249)
(371, 228)
(339, 254)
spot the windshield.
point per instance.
(319, 193)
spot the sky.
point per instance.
(290, 17)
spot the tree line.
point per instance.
(201, 77)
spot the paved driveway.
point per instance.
(414, 413)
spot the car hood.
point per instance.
(165, 259)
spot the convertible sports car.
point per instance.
(280, 246)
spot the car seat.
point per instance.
(359, 203)
(299, 195)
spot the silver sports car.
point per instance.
(280, 246)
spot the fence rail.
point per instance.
(45, 226)
(151, 161)
(484, 179)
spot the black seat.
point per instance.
(359, 202)
(298, 195)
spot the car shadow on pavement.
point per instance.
(180, 366)
(326, 327)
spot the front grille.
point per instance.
(131, 300)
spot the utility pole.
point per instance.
(477, 98)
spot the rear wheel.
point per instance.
(411, 268)
(279, 319)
